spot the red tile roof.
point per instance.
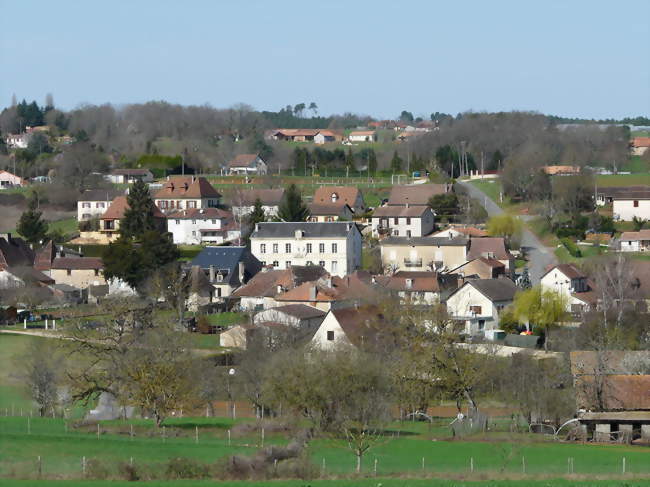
(641, 141)
(77, 263)
(417, 194)
(243, 160)
(345, 195)
(187, 187)
(493, 246)
(119, 205)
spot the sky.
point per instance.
(577, 58)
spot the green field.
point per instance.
(492, 188)
(623, 179)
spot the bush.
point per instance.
(129, 472)
(571, 246)
(95, 469)
(186, 468)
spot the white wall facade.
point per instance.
(188, 231)
(464, 306)
(87, 210)
(626, 210)
(330, 335)
(168, 204)
(269, 211)
(339, 256)
(404, 226)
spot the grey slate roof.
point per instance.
(300, 311)
(424, 241)
(100, 194)
(496, 289)
(227, 259)
(311, 229)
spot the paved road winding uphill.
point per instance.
(539, 256)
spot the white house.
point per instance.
(329, 213)
(299, 316)
(340, 195)
(247, 164)
(362, 136)
(94, 202)
(8, 180)
(335, 246)
(186, 193)
(635, 241)
(402, 221)
(423, 253)
(129, 176)
(635, 203)
(348, 327)
(478, 303)
(17, 141)
(243, 201)
(572, 285)
(419, 288)
(202, 226)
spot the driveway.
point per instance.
(539, 256)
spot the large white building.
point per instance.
(634, 203)
(571, 285)
(202, 226)
(243, 201)
(9, 180)
(335, 246)
(247, 164)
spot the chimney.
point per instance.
(211, 273)
(279, 289)
(241, 272)
(312, 293)
(349, 226)
(373, 279)
(407, 204)
(257, 227)
(79, 250)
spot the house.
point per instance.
(247, 164)
(423, 253)
(295, 135)
(612, 394)
(572, 285)
(93, 203)
(202, 226)
(640, 145)
(480, 268)
(635, 241)
(302, 318)
(186, 193)
(458, 231)
(478, 303)
(129, 176)
(324, 136)
(8, 180)
(402, 221)
(606, 195)
(340, 195)
(417, 287)
(16, 257)
(243, 201)
(492, 248)
(416, 195)
(225, 269)
(335, 246)
(329, 213)
(355, 327)
(17, 141)
(633, 204)
(109, 222)
(79, 272)
(561, 170)
(362, 136)
(263, 289)
(328, 292)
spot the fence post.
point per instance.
(196, 435)
(228, 437)
(423, 464)
(471, 464)
(262, 437)
(623, 465)
(375, 467)
(523, 465)
(98, 431)
(40, 467)
(29, 426)
(83, 466)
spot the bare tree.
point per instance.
(40, 370)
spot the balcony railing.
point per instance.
(412, 262)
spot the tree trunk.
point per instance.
(358, 462)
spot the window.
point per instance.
(193, 222)
(287, 264)
(396, 233)
(68, 272)
(408, 220)
(263, 263)
(287, 248)
(214, 222)
(96, 272)
(86, 216)
(321, 263)
(171, 204)
(275, 248)
(408, 233)
(309, 262)
(219, 277)
(321, 248)
(262, 248)
(329, 219)
(193, 233)
(335, 266)
(475, 309)
(191, 204)
(334, 248)
(309, 248)
(276, 263)
(396, 221)
(218, 292)
(636, 203)
(330, 335)
(85, 205)
(163, 204)
(97, 205)
(481, 325)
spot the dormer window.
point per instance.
(409, 283)
(335, 197)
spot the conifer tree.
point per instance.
(31, 225)
(139, 216)
(292, 208)
(396, 163)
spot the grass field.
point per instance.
(588, 251)
(623, 179)
(636, 165)
(12, 395)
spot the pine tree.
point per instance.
(292, 208)
(30, 225)
(396, 163)
(257, 215)
(349, 159)
(139, 216)
(372, 162)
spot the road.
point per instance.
(539, 256)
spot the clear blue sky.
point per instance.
(566, 57)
